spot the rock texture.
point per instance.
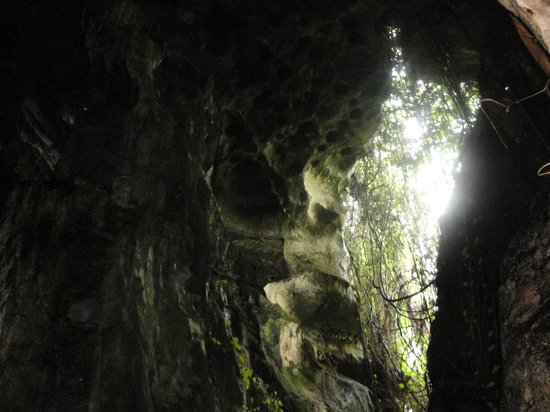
(535, 14)
(480, 349)
(525, 337)
(171, 205)
(162, 165)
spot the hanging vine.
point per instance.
(391, 233)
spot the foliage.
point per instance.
(392, 230)
(253, 383)
(257, 395)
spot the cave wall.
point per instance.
(170, 203)
(535, 14)
(106, 240)
(488, 350)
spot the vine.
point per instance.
(392, 232)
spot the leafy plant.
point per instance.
(257, 395)
(253, 383)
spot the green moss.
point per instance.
(271, 331)
(295, 381)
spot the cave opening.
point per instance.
(398, 192)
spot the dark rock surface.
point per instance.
(479, 355)
(162, 163)
(171, 181)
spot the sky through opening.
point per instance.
(397, 195)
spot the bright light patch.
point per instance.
(413, 133)
(433, 183)
(413, 130)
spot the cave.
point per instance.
(172, 181)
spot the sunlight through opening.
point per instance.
(433, 183)
(397, 196)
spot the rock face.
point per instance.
(162, 165)
(525, 336)
(488, 350)
(535, 14)
(171, 207)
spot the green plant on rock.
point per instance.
(254, 384)
(258, 396)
